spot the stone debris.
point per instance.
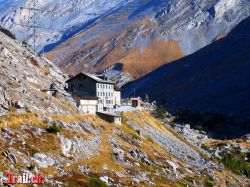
(80, 148)
(107, 180)
(174, 145)
(191, 135)
(10, 156)
(43, 160)
(140, 156)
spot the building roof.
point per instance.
(94, 77)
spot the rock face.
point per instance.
(43, 161)
(175, 146)
(24, 76)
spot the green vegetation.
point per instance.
(173, 125)
(161, 112)
(235, 161)
(198, 127)
(32, 151)
(54, 128)
(31, 167)
(209, 182)
(95, 182)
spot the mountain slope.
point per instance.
(60, 19)
(45, 134)
(23, 77)
(216, 78)
(143, 35)
(126, 39)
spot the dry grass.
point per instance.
(48, 143)
(137, 61)
(49, 171)
(159, 52)
(64, 105)
(14, 120)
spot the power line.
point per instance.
(33, 24)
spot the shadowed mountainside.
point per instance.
(216, 78)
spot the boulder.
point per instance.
(43, 160)
(107, 180)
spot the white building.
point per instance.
(87, 86)
(117, 95)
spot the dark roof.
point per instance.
(93, 77)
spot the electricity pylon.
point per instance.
(33, 24)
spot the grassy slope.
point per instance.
(127, 139)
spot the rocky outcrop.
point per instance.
(25, 76)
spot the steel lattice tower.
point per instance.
(33, 24)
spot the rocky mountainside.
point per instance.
(44, 134)
(143, 35)
(88, 151)
(215, 78)
(133, 37)
(24, 76)
(59, 19)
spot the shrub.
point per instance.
(235, 161)
(209, 182)
(95, 182)
(161, 112)
(33, 151)
(31, 167)
(53, 128)
(12, 109)
(199, 127)
(173, 125)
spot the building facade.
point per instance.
(88, 85)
